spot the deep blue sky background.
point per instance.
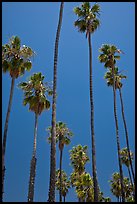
(36, 23)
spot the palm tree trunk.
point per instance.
(53, 132)
(118, 199)
(64, 198)
(130, 176)
(117, 137)
(5, 133)
(33, 164)
(92, 126)
(126, 133)
(60, 190)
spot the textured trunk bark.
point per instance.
(60, 190)
(33, 164)
(126, 133)
(92, 125)
(117, 137)
(51, 194)
(5, 133)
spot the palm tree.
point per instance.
(78, 157)
(65, 183)
(116, 187)
(63, 135)
(53, 135)
(84, 187)
(88, 22)
(119, 85)
(109, 58)
(15, 60)
(125, 160)
(35, 95)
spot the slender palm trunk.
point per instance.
(53, 132)
(64, 198)
(33, 164)
(117, 137)
(60, 190)
(126, 133)
(118, 199)
(130, 176)
(5, 133)
(92, 126)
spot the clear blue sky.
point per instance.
(36, 23)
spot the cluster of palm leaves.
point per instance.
(16, 59)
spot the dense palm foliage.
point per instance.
(35, 95)
(78, 157)
(53, 132)
(65, 183)
(63, 137)
(108, 57)
(15, 60)
(88, 22)
(116, 188)
(126, 161)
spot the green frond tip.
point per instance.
(96, 8)
(28, 65)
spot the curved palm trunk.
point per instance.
(117, 138)
(126, 133)
(53, 132)
(5, 133)
(92, 126)
(60, 190)
(33, 164)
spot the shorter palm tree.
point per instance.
(35, 95)
(63, 137)
(84, 187)
(125, 160)
(116, 187)
(15, 60)
(65, 183)
(78, 157)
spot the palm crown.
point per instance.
(108, 55)
(79, 157)
(16, 58)
(63, 134)
(65, 182)
(87, 17)
(116, 186)
(118, 77)
(125, 157)
(35, 93)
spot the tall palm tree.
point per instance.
(35, 95)
(119, 85)
(51, 194)
(88, 22)
(108, 57)
(15, 60)
(65, 183)
(63, 135)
